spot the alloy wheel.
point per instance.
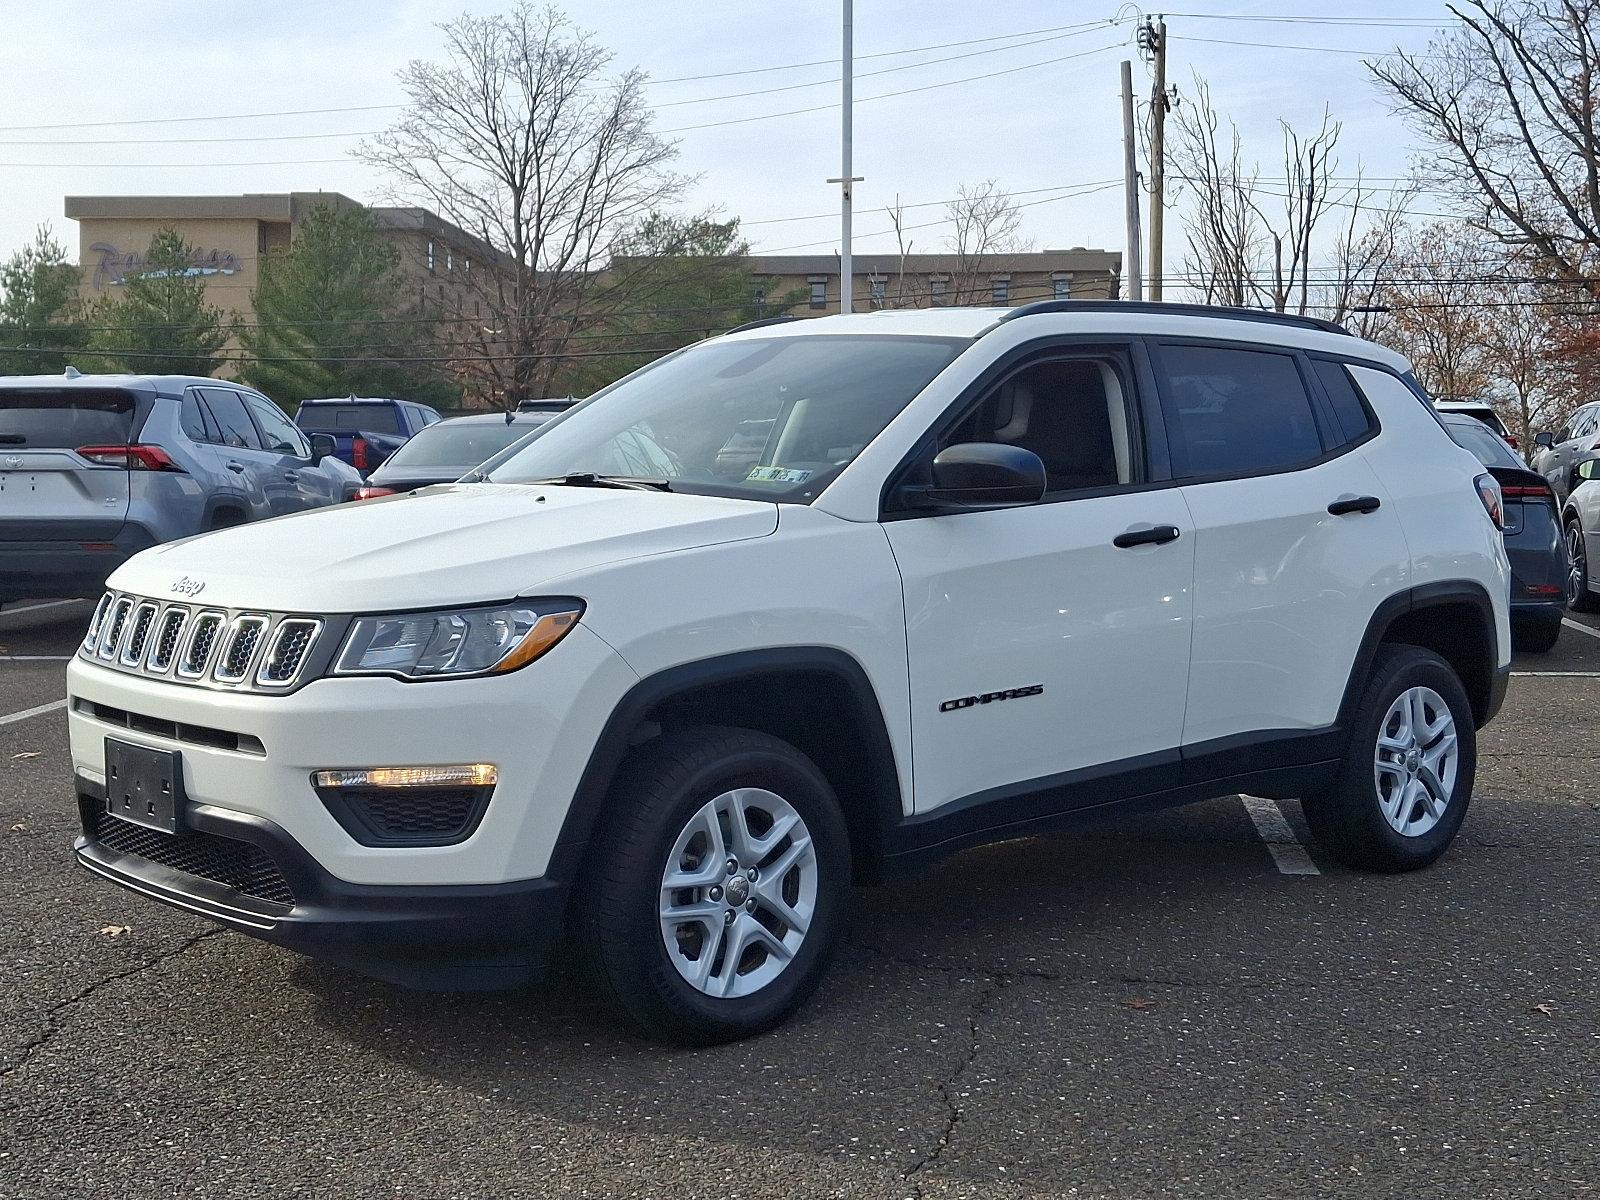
(738, 893)
(1415, 762)
(1577, 566)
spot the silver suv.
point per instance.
(96, 467)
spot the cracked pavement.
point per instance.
(1147, 1009)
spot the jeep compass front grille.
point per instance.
(242, 866)
(198, 644)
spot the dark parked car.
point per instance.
(94, 468)
(1533, 533)
(1478, 410)
(366, 430)
(549, 404)
(446, 451)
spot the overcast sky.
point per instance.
(1033, 130)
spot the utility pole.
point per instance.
(1155, 41)
(847, 286)
(1130, 186)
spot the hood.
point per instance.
(454, 544)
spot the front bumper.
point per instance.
(435, 937)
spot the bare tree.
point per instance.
(1439, 298)
(987, 221)
(1509, 102)
(1223, 226)
(521, 138)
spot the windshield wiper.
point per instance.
(590, 479)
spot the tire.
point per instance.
(1579, 597)
(1352, 819)
(1536, 637)
(661, 814)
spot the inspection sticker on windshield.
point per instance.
(777, 475)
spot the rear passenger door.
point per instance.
(308, 486)
(252, 469)
(1294, 545)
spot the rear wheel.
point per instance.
(711, 908)
(1406, 781)
(1579, 597)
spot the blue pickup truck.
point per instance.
(365, 429)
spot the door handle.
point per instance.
(1156, 535)
(1354, 504)
(237, 468)
(290, 476)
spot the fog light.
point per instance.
(465, 775)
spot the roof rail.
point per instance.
(764, 321)
(1266, 316)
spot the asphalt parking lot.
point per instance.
(1163, 1007)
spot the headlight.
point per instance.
(448, 645)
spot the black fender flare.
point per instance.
(618, 737)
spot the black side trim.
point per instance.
(629, 718)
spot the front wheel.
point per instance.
(1406, 780)
(1579, 597)
(710, 909)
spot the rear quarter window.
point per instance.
(65, 418)
(1354, 420)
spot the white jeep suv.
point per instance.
(798, 607)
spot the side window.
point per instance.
(232, 420)
(1073, 412)
(1354, 420)
(1236, 411)
(1582, 425)
(196, 421)
(276, 432)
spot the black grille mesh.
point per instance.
(416, 814)
(205, 632)
(244, 867)
(141, 630)
(293, 640)
(167, 635)
(113, 638)
(241, 649)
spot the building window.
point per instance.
(1002, 289)
(938, 290)
(430, 256)
(449, 260)
(819, 293)
(875, 292)
(759, 297)
(1063, 287)
(477, 308)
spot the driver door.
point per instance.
(1049, 664)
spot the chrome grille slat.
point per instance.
(138, 632)
(202, 646)
(239, 648)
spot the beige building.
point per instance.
(931, 280)
(231, 234)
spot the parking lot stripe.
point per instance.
(1580, 627)
(10, 718)
(35, 658)
(22, 608)
(1286, 849)
(1561, 674)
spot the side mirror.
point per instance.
(983, 474)
(322, 446)
(1545, 439)
(1589, 468)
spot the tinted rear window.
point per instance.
(1354, 422)
(462, 445)
(349, 418)
(65, 417)
(1476, 437)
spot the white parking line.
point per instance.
(11, 718)
(35, 658)
(22, 608)
(1580, 627)
(1561, 674)
(1286, 849)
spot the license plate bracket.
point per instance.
(145, 786)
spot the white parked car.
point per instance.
(990, 574)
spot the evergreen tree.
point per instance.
(38, 301)
(331, 321)
(160, 322)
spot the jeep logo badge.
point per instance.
(188, 587)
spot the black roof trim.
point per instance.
(763, 322)
(1265, 316)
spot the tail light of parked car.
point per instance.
(372, 493)
(1493, 504)
(1528, 491)
(134, 457)
(358, 453)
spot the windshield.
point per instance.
(348, 418)
(462, 444)
(1475, 436)
(765, 418)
